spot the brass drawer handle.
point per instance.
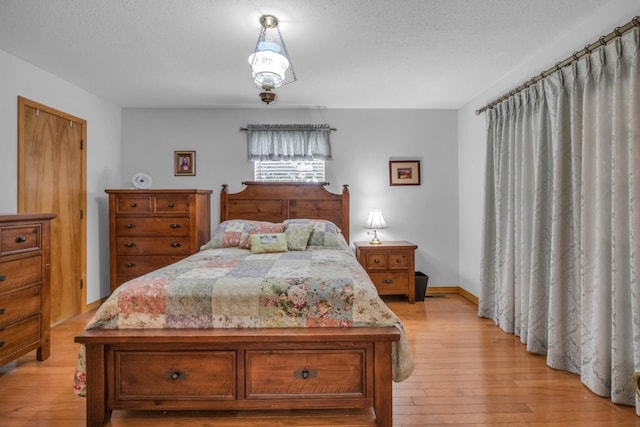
(134, 205)
(387, 281)
(376, 260)
(130, 264)
(399, 260)
(305, 373)
(21, 239)
(174, 226)
(129, 244)
(172, 205)
(176, 244)
(130, 226)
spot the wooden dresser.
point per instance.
(24, 285)
(149, 229)
(391, 267)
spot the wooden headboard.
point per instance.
(277, 201)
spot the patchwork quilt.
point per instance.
(235, 288)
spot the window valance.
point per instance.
(288, 142)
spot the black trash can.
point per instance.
(421, 285)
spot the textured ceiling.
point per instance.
(346, 53)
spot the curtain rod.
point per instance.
(331, 129)
(617, 32)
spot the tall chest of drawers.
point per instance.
(24, 285)
(149, 229)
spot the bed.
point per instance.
(274, 312)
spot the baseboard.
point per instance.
(94, 305)
(453, 290)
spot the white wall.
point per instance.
(472, 130)
(19, 78)
(362, 146)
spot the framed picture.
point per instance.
(404, 172)
(184, 163)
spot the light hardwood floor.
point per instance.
(468, 373)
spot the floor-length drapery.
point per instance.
(561, 238)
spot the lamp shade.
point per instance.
(268, 66)
(375, 220)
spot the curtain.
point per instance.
(561, 238)
(288, 142)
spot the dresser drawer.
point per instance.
(275, 374)
(20, 304)
(390, 283)
(21, 272)
(154, 375)
(135, 266)
(171, 204)
(19, 239)
(133, 204)
(19, 336)
(154, 226)
(136, 245)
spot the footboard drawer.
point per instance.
(199, 375)
(307, 373)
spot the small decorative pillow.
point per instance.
(257, 227)
(226, 235)
(267, 242)
(297, 235)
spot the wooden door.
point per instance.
(52, 178)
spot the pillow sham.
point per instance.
(297, 235)
(268, 242)
(324, 234)
(258, 227)
(226, 235)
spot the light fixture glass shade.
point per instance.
(268, 68)
(375, 220)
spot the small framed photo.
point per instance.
(404, 172)
(184, 163)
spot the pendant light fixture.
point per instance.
(270, 60)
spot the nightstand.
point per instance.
(391, 267)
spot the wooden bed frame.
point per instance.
(246, 369)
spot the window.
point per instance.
(289, 170)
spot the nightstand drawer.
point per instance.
(377, 261)
(399, 260)
(390, 283)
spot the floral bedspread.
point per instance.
(233, 288)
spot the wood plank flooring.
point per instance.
(468, 373)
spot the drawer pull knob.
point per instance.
(171, 204)
(399, 260)
(174, 226)
(176, 244)
(2, 310)
(130, 226)
(130, 264)
(176, 375)
(3, 277)
(387, 281)
(377, 261)
(21, 239)
(130, 244)
(305, 373)
(134, 205)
